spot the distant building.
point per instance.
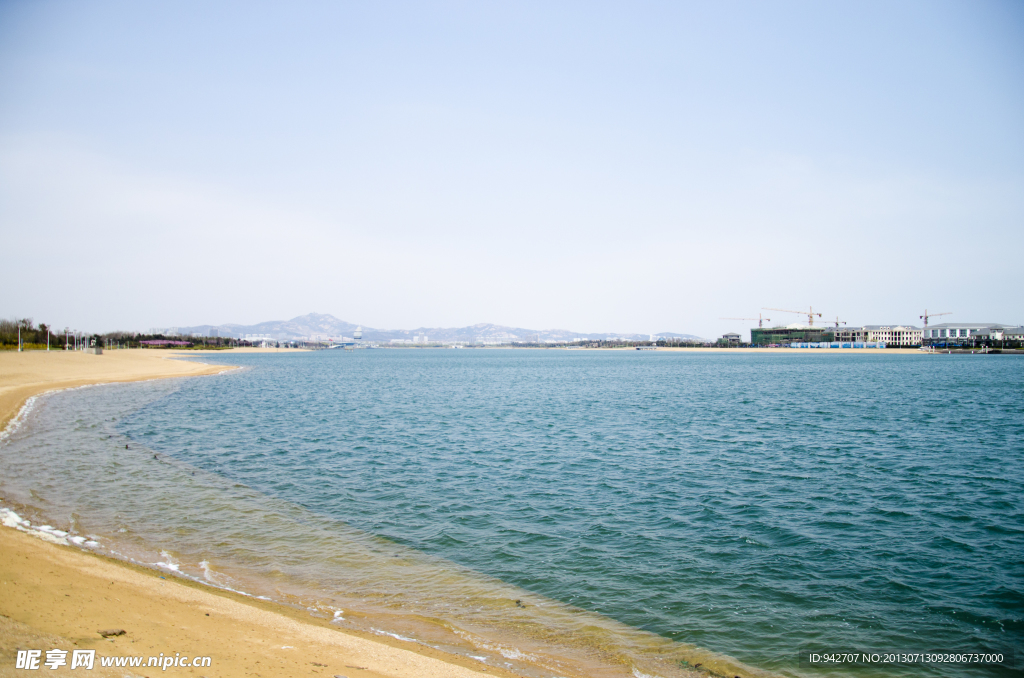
(767, 336)
(730, 339)
(214, 332)
(998, 335)
(960, 334)
(891, 335)
(995, 336)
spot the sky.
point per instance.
(595, 166)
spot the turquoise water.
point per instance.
(751, 505)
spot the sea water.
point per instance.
(570, 512)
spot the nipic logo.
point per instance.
(30, 659)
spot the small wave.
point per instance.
(14, 424)
(393, 635)
(210, 576)
(169, 564)
(505, 651)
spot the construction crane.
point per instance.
(839, 321)
(810, 313)
(932, 315)
(759, 319)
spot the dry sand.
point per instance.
(57, 596)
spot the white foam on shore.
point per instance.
(393, 635)
(15, 423)
(52, 530)
(10, 518)
(47, 533)
(504, 650)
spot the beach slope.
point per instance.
(61, 597)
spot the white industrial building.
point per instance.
(891, 335)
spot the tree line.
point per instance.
(34, 336)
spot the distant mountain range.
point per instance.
(324, 326)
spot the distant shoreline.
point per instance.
(684, 349)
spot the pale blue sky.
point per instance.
(602, 167)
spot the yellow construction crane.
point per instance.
(839, 321)
(759, 319)
(932, 315)
(809, 313)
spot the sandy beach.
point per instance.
(58, 596)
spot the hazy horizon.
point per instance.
(595, 167)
